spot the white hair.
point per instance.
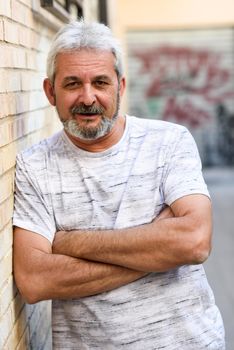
(79, 35)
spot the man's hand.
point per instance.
(59, 242)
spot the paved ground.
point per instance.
(220, 265)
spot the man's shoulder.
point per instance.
(40, 151)
(155, 126)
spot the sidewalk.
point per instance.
(220, 264)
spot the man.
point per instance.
(112, 216)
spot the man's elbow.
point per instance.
(201, 254)
(201, 248)
(28, 288)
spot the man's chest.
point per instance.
(110, 193)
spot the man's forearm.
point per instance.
(158, 246)
(55, 276)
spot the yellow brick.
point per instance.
(25, 36)
(14, 128)
(7, 159)
(26, 101)
(4, 55)
(22, 14)
(33, 60)
(4, 107)
(11, 31)
(12, 56)
(6, 240)
(13, 81)
(5, 269)
(32, 80)
(8, 101)
(5, 137)
(5, 327)
(1, 30)
(7, 294)
(21, 102)
(3, 75)
(24, 341)
(49, 126)
(6, 209)
(10, 80)
(6, 186)
(26, 2)
(19, 335)
(16, 306)
(40, 43)
(5, 8)
(18, 57)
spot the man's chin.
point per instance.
(89, 127)
(87, 133)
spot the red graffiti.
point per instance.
(188, 74)
(184, 112)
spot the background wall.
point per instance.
(186, 76)
(180, 67)
(26, 31)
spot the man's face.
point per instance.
(87, 93)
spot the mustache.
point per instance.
(83, 109)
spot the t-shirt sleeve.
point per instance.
(184, 170)
(32, 210)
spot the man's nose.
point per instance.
(87, 95)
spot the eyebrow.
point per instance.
(71, 78)
(102, 77)
(75, 78)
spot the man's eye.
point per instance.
(101, 83)
(72, 84)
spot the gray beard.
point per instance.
(87, 132)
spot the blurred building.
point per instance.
(180, 64)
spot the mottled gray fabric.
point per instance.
(61, 187)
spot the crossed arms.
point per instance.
(83, 263)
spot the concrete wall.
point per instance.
(25, 118)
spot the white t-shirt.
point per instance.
(61, 187)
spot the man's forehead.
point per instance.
(86, 54)
(98, 63)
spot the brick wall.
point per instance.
(25, 118)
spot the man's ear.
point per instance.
(49, 91)
(122, 85)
